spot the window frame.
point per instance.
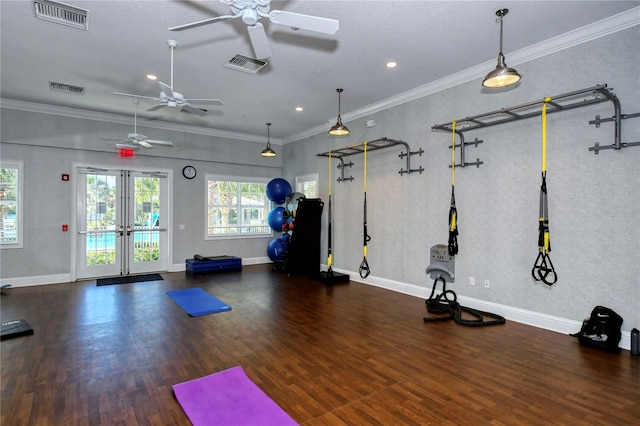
(238, 180)
(313, 177)
(19, 165)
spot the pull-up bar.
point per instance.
(373, 145)
(566, 101)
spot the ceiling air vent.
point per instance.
(66, 88)
(245, 64)
(61, 13)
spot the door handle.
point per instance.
(121, 230)
(129, 229)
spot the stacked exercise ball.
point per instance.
(278, 190)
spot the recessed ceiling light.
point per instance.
(391, 64)
(152, 77)
(299, 109)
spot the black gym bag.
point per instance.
(602, 330)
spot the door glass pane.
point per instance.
(100, 219)
(146, 220)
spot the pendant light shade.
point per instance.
(502, 76)
(339, 129)
(268, 151)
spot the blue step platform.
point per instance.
(202, 264)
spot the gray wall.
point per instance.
(594, 200)
(50, 145)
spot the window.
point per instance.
(237, 207)
(11, 204)
(308, 185)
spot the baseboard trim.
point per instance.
(37, 280)
(523, 316)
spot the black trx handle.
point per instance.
(543, 270)
(364, 269)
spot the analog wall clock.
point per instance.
(189, 172)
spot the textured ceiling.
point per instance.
(126, 40)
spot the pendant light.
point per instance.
(502, 76)
(339, 129)
(268, 151)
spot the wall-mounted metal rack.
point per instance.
(564, 102)
(373, 145)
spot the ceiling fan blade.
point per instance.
(145, 144)
(305, 22)
(205, 101)
(167, 90)
(192, 110)
(156, 107)
(113, 140)
(203, 22)
(134, 96)
(157, 142)
(259, 41)
(126, 146)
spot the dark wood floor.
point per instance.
(351, 354)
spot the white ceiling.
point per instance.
(126, 40)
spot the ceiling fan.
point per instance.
(135, 139)
(172, 99)
(253, 10)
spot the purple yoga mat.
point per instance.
(229, 397)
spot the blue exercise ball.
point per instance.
(278, 190)
(276, 218)
(276, 248)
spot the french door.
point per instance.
(121, 222)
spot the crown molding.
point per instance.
(121, 119)
(604, 27)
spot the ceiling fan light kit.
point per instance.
(339, 129)
(268, 151)
(502, 76)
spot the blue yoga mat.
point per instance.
(196, 302)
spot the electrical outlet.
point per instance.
(487, 284)
(472, 281)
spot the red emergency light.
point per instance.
(126, 152)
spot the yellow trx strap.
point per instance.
(364, 247)
(453, 212)
(543, 269)
(452, 224)
(364, 266)
(544, 134)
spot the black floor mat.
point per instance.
(129, 279)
